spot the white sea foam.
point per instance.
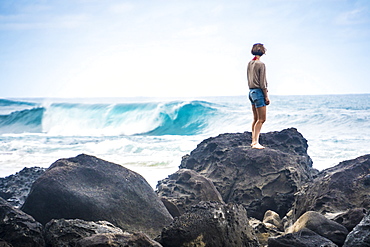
(150, 137)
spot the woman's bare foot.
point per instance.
(257, 146)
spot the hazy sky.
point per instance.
(103, 48)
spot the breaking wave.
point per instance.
(169, 118)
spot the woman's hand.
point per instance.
(267, 100)
(265, 92)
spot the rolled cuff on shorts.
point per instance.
(257, 97)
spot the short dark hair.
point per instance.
(258, 49)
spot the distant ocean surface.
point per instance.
(150, 135)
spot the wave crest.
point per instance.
(171, 118)
(28, 121)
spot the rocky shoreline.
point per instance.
(224, 194)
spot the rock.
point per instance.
(113, 240)
(337, 189)
(351, 218)
(65, 233)
(15, 188)
(4, 244)
(317, 223)
(273, 218)
(92, 189)
(360, 235)
(210, 224)
(288, 220)
(258, 179)
(264, 231)
(18, 228)
(186, 188)
(171, 207)
(302, 238)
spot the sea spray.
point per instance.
(151, 136)
(69, 119)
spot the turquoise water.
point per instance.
(151, 135)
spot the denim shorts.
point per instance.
(257, 97)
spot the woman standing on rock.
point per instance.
(257, 92)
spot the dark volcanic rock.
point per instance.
(360, 235)
(61, 232)
(4, 244)
(15, 188)
(114, 240)
(303, 238)
(258, 179)
(185, 188)
(18, 228)
(317, 223)
(351, 218)
(210, 224)
(92, 189)
(337, 189)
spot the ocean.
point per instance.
(150, 135)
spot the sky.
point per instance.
(180, 48)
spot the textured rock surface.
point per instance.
(264, 231)
(273, 218)
(317, 223)
(4, 243)
(186, 188)
(337, 189)
(360, 235)
(61, 232)
(258, 179)
(303, 238)
(351, 218)
(210, 224)
(18, 228)
(114, 240)
(92, 189)
(15, 188)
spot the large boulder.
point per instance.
(360, 235)
(18, 228)
(261, 180)
(337, 189)
(210, 224)
(92, 189)
(324, 227)
(185, 188)
(15, 188)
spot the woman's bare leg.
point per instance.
(255, 118)
(259, 117)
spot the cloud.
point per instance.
(217, 10)
(47, 22)
(40, 16)
(121, 8)
(199, 31)
(354, 17)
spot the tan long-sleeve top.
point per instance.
(256, 73)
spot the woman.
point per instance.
(257, 92)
